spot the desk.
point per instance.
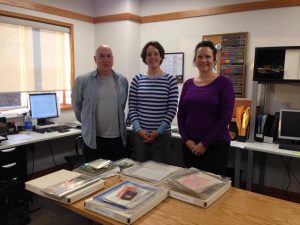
(13, 156)
(35, 137)
(237, 206)
(263, 148)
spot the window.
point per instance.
(36, 56)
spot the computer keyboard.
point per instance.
(289, 146)
(60, 128)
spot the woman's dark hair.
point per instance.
(208, 44)
(155, 44)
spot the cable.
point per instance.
(51, 149)
(32, 152)
(286, 164)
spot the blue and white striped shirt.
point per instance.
(153, 102)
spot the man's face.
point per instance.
(104, 58)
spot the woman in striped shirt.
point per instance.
(153, 99)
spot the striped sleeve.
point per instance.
(133, 103)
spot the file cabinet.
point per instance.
(13, 164)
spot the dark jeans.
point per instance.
(214, 159)
(107, 148)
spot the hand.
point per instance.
(145, 135)
(200, 149)
(190, 144)
(153, 135)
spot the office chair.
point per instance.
(77, 160)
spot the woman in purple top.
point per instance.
(204, 113)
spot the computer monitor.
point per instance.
(43, 106)
(289, 125)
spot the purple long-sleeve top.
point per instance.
(204, 112)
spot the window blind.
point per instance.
(34, 56)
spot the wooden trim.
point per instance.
(118, 17)
(66, 107)
(48, 9)
(34, 18)
(72, 52)
(268, 4)
(220, 10)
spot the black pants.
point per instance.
(107, 148)
(214, 159)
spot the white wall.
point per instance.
(104, 7)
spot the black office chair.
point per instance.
(77, 160)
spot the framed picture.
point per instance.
(173, 64)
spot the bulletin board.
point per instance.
(231, 58)
(173, 64)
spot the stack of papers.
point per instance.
(150, 171)
(197, 187)
(98, 164)
(101, 168)
(66, 187)
(125, 163)
(127, 201)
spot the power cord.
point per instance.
(32, 153)
(290, 174)
(52, 153)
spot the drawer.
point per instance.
(11, 155)
(13, 170)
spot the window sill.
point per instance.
(66, 107)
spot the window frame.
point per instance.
(64, 105)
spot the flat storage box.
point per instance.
(38, 185)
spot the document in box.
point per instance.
(150, 174)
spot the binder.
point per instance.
(126, 216)
(38, 185)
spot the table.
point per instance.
(263, 148)
(234, 207)
(13, 152)
(34, 137)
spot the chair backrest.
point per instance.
(78, 144)
(77, 160)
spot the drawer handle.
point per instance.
(9, 165)
(8, 150)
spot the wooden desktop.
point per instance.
(236, 207)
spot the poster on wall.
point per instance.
(173, 64)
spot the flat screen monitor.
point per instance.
(43, 106)
(289, 124)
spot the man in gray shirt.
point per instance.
(99, 99)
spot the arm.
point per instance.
(132, 104)
(125, 83)
(225, 113)
(172, 106)
(133, 111)
(181, 115)
(76, 97)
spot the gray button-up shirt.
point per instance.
(84, 100)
